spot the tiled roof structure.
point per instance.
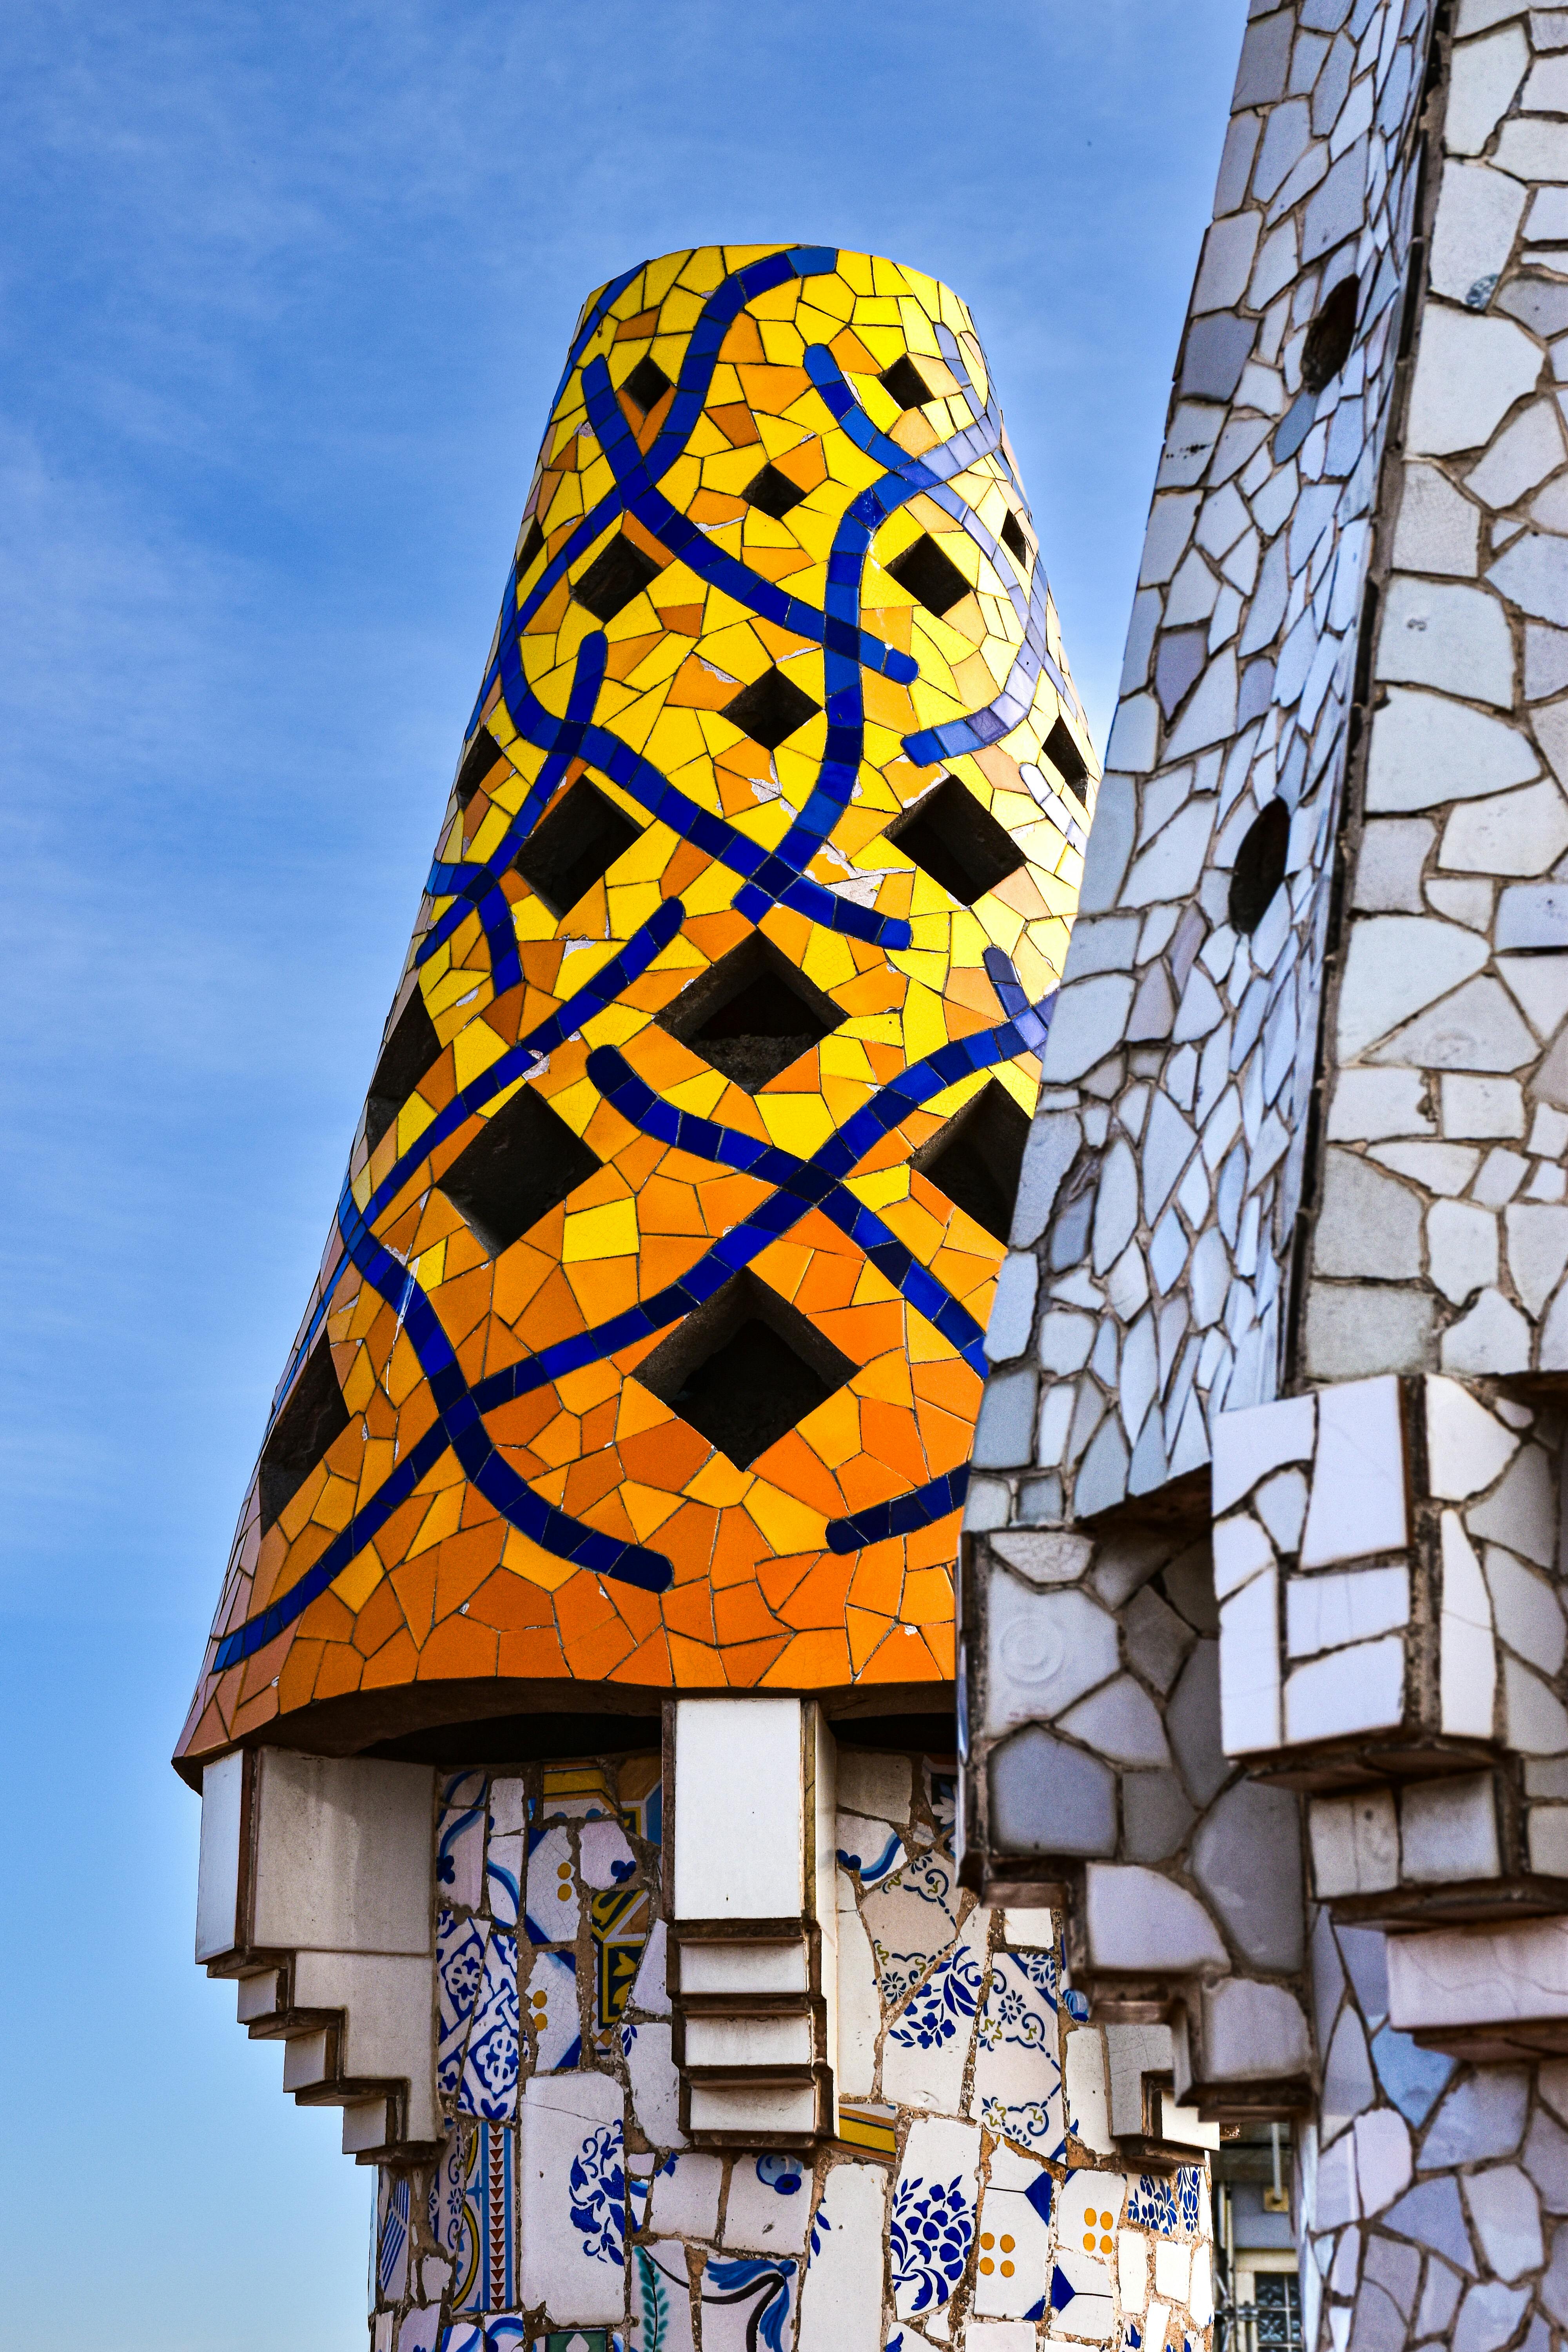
(648, 1341)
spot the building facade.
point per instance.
(1262, 1609)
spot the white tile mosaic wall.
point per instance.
(965, 2199)
(1264, 1583)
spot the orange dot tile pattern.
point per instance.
(646, 1344)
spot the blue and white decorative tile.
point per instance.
(660, 2298)
(841, 2294)
(503, 1878)
(641, 2165)
(1190, 2198)
(1078, 2301)
(607, 1860)
(941, 1795)
(1015, 2233)
(459, 1970)
(550, 2013)
(487, 2279)
(1152, 2204)
(926, 2049)
(461, 1839)
(490, 2063)
(552, 1913)
(748, 2302)
(912, 1918)
(685, 2196)
(391, 2236)
(1088, 2210)
(1079, 2304)
(932, 2231)
(574, 2199)
(420, 2329)
(656, 2083)
(447, 2188)
(769, 2204)
(872, 1849)
(1017, 2090)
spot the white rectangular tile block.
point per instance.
(1354, 1842)
(218, 1872)
(1328, 1610)
(740, 1823)
(1249, 1667)
(1358, 1474)
(1479, 1976)
(1357, 1689)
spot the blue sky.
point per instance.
(284, 293)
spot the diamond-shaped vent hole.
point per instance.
(314, 1416)
(404, 1058)
(752, 1014)
(769, 708)
(620, 572)
(957, 842)
(1067, 760)
(929, 576)
(976, 1157)
(579, 841)
(521, 1162)
(478, 760)
(1013, 538)
(906, 383)
(646, 384)
(533, 548)
(1260, 866)
(745, 1369)
(774, 492)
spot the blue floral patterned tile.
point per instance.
(461, 1841)
(926, 2049)
(749, 2304)
(489, 2085)
(574, 2200)
(459, 1968)
(932, 2231)
(912, 1918)
(1017, 2091)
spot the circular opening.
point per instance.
(1330, 335)
(1260, 866)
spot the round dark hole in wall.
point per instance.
(1260, 866)
(1330, 335)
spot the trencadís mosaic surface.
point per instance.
(646, 1346)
